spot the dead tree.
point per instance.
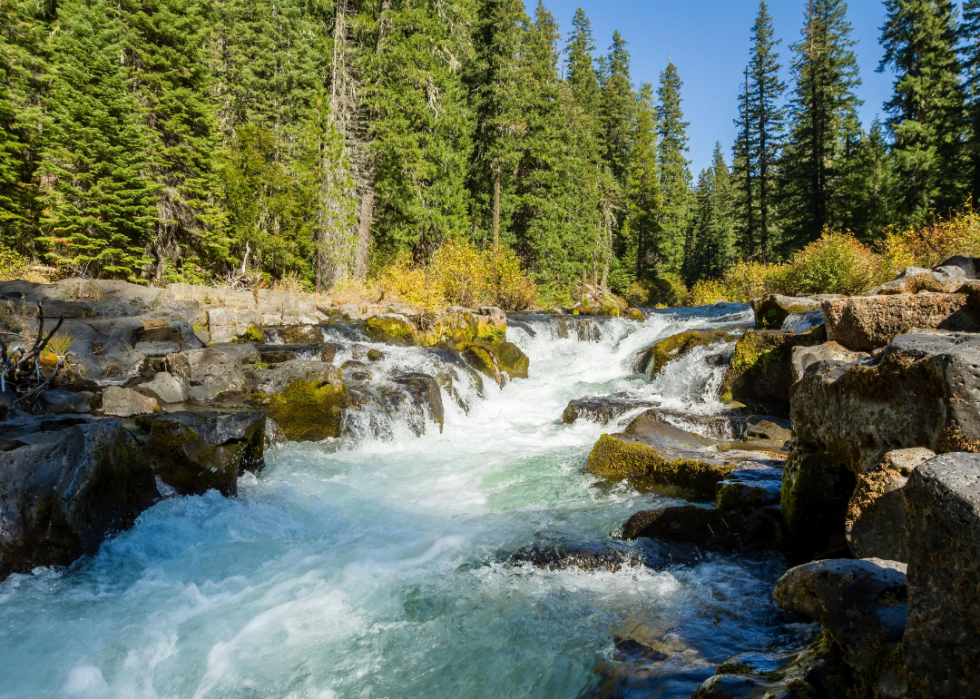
(20, 365)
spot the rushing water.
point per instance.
(378, 567)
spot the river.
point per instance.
(378, 566)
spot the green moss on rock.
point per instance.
(496, 360)
(648, 468)
(676, 346)
(391, 329)
(305, 410)
(252, 335)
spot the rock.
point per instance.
(499, 361)
(314, 351)
(227, 324)
(425, 394)
(655, 358)
(768, 429)
(276, 379)
(65, 484)
(125, 402)
(307, 411)
(61, 402)
(601, 409)
(803, 322)
(749, 486)
(577, 328)
(770, 311)
(942, 642)
(923, 391)
(875, 524)
(195, 451)
(274, 436)
(707, 527)
(653, 454)
(208, 373)
(865, 323)
(165, 388)
(761, 371)
(301, 334)
(375, 355)
(863, 605)
(804, 357)
(163, 334)
(392, 329)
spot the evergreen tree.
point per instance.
(711, 245)
(825, 124)
(11, 162)
(969, 35)
(643, 192)
(867, 206)
(616, 111)
(100, 207)
(675, 176)
(580, 70)
(925, 113)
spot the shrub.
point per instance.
(707, 292)
(511, 288)
(835, 264)
(13, 265)
(462, 273)
(930, 244)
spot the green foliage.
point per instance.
(675, 177)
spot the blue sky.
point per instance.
(709, 41)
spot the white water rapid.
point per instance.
(378, 567)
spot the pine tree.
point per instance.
(675, 176)
(580, 70)
(926, 111)
(100, 207)
(643, 192)
(969, 35)
(761, 125)
(616, 109)
(11, 162)
(825, 124)
(711, 246)
(867, 205)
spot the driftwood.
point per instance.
(20, 365)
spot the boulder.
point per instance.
(761, 371)
(942, 642)
(578, 328)
(805, 356)
(707, 527)
(425, 394)
(875, 524)
(227, 324)
(922, 391)
(65, 484)
(498, 361)
(391, 328)
(863, 606)
(315, 351)
(125, 402)
(276, 379)
(165, 387)
(307, 411)
(208, 373)
(770, 311)
(601, 409)
(658, 356)
(301, 334)
(195, 451)
(164, 333)
(62, 402)
(865, 323)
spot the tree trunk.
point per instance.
(496, 208)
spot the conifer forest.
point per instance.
(319, 140)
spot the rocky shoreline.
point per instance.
(846, 444)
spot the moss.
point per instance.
(635, 314)
(496, 360)
(648, 468)
(259, 364)
(734, 669)
(610, 310)
(305, 410)
(512, 360)
(815, 494)
(761, 370)
(375, 355)
(732, 496)
(252, 335)
(676, 346)
(392, 330)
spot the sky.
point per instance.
(709, 42)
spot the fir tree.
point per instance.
(925, 113)
(867, 204)
(99, 205)
(616, 111)
(969, 35)
(711, 245)
(825, 124)
(643, 193)
(580, 70)
(675, 176)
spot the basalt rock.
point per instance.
(499, 361)
(806, 356)
(62, 402)
(707, 527)
(655, 358)
(165, 388)
(942, 641)
(875, 524)
(865, 323)
(770, 311)
(276, 379)
(392, 329)
(212, 372)
(125, 402)
(601, 409)
(193, 452)
(65, 484)
(923, 391)
(761, 371)
(312, 351)
(307, 411)
(863, 606)
(424, 392)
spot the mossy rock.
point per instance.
(761, 371)
(391, 329)
(512, 359)
(771, 311)
(647, 468)
(635, 314)
(496, 361)
(253, 335)
(301, 334)
(816, 492)
(306, 410)
(375, 355)
(676, 346)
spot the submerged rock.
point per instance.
(655, 358)
(65, 484)
(498, 361)
(942, 643)
(193, 452)
(708, 527)
(772, 310)
(556, 551)
(424, 392)
(863, 605)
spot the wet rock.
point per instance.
(770, 311)
(865, 323)
(65, 484)
(62, 402)
(750, 485)
(576, 328)
(375, 355)
(165, 388)
(314, 351)
(307, 411)
(761, 371)
(655, 358)
(601, 409)
(768, 429)
(804, 357)
(499, 361)
(425, 393)
(810, 673)
(276, 379)
(301, 335)
(392, 329)
(227, 324)
(208, 373)
(708, 527)
(923, 391)
(195, 451)
(875, 525)
(863, 605)
(274, 436)
(942, 643)
(557, 551)
(125, 402)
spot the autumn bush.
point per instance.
(930, 244)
